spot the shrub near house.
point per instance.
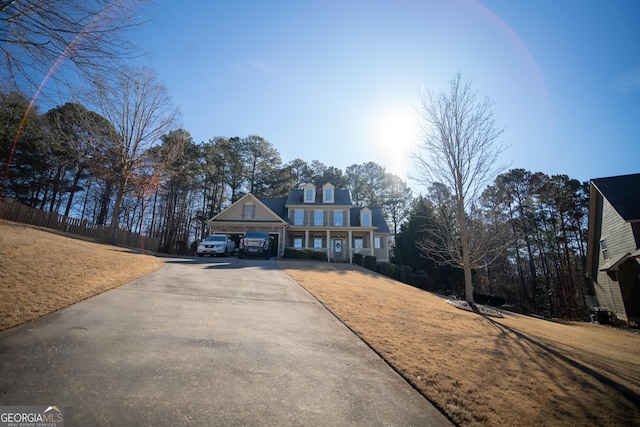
(405, 274)
(304, 254)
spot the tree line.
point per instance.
(70, 160)
(77, 162)
(539, 228)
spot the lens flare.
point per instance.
(72, 47)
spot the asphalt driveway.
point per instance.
(211, 341)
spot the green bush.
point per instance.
(357, 259)
(320, 255)
(299, 253)
(421, 281)
(370, 262)
(388, 269)
(405, 272)
(383, 268)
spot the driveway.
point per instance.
(205, 341)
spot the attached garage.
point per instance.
(249, 213)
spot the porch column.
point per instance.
(328, 245)
(349, 248)
(371, 242)
(306, 239)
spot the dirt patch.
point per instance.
(481, 370)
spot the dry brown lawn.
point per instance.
(41, 271)
(511, 371)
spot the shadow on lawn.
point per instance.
(337, 267)
(520, 338)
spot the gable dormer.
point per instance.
(328, 193)
(366, 220)
(309, 193)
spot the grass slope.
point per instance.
(512, 371)
(41, 271)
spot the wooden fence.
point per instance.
(17, 212)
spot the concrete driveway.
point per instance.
(211, 341)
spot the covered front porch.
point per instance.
(340, 246)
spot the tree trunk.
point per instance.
(116, 210)
(72, 193)
(464, 246)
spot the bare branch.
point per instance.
(141, 110)
(37, 37)
(458, 155)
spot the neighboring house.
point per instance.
(612, 247)
(310, 218)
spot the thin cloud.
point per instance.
(248, 66)
(628, 81)
(259, 66)
(235, 69)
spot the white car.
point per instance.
(216, 244)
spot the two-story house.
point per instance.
(320, 219)
(613, 244)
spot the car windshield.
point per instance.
(256, 235)
(216, 239)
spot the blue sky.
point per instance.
(339, 81)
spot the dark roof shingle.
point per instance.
(277, 206)
(340, 198)
(623, 192)
(377, 219)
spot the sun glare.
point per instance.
(395, 135)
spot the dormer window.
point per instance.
(327, 193)
(365, 217)
(309, 193)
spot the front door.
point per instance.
(338, 248)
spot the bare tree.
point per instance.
(459, 151)
(38, 37)
(140, 108)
